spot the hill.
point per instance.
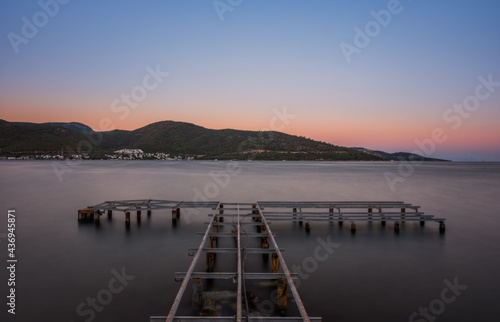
(176, 138)
(180, 139)
(18, 138)
(398, 156)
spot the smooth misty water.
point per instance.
(374, 275)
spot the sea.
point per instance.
(68, 270)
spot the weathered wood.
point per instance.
(213, 242)
(127, 218)
(210, 261)
(197, 298)
(265, 242)
(275, 263)
(282, 293)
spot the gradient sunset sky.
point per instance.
(264, 55)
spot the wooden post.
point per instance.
(110, 213)
(442, 226)
(370, 210)
(210, 262)
(308, 227)
(254, 211)
(213, 242)
(265, 242)
(294, 213)
(97, 216)
(422, 222)
(221, 212)
(331, 212)
(353, 227)
(403, 212)
(341, 222)
(263, 228)
(275, 263)
(382, 217)
(396, 226)
(178, 213)
(300, 217)
(197, 291)
(282, 293)
(215, 228)
(174, 216)
(149, 212)
(127, 218)
(138, 213)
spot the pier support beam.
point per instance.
(178, 212)
(97, 216)
(110, 213)
(149, 212)
(254, 211)
(127, 218)
(210, 262)
(353, 227)
(213, 242)
(215, 228)
(265, 242)
(442, 226)
(197, 297)
(84, 214)
(422, 221)
(275, 263)
(308, 227)
(282, 293)
(174, 216)
(139, 214)
(403, 212)
(221, 213)
(259, 227)
(294, 211)
(370, 211)
(396, 226)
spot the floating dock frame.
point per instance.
(258, 215)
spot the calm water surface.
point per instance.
(373, 275)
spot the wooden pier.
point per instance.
(252, 220)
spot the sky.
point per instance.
(417, 76)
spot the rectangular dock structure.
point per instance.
(253, 221)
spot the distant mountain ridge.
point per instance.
(397, 156)
(176, 138)
(75, 126)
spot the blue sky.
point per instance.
(264, 55)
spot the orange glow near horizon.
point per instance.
(375, 131)
(381, 135)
